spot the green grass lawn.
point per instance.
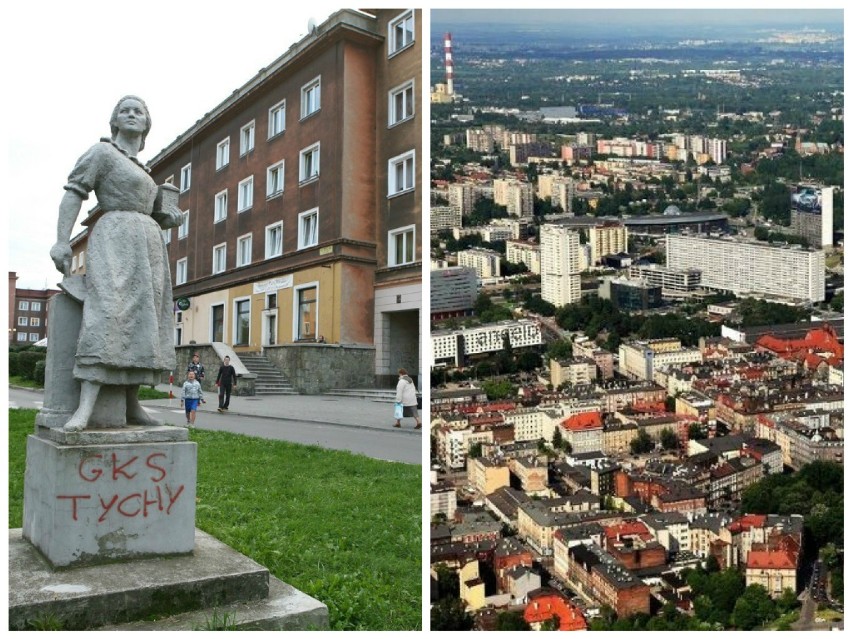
(343, 528)
(145, 392)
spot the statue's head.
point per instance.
(113, 121)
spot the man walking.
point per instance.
(226, 378)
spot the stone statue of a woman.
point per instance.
(126, 337)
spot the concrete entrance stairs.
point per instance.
(269, 380)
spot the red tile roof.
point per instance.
(583, 421)
(544, 607)
(771, 560)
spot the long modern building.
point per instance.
(452, 291)
(750, 267)
(560, 265)
(302, 200)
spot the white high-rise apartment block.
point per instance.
(750, 267)
(519, 199)
(560, 265)
(443, 218)
(479, 141)
(607, 239)
(518, 251)
(462, 197)
(718, 149)
(485, 262)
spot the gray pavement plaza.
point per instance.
(362, 426)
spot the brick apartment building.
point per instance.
(303, 211)
(27, 312)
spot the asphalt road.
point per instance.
(398, 446)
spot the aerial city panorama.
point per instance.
(636, 348)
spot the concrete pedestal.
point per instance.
(98, 498)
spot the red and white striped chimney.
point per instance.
(448, 61)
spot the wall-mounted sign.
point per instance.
(326, 250)
(182, 303)
(273, 285)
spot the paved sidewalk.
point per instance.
(322, 409)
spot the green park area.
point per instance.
(343, 528)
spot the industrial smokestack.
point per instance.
(448, 61)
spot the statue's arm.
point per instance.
(69, 209)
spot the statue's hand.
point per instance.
(170, 218)
(61, 253)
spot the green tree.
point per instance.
(668, 439)
(696, 431)
(642, 443)
(512, 621)
(450, 614)
(753, 609)
(837, 302)
(475, 450)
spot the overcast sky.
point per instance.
(66, 64)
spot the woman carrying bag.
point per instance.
(406, 400)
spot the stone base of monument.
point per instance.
(188, 592)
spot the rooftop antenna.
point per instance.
(312, 26)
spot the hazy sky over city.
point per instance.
(67, 64)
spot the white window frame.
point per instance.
(213, 306)
(170, 180)
(311, 100)
(185, 177)
(395, 46)
(220, 206)
(183, 229)
(74, 263)
(22, 337)
(407, 103)
(181, 271)
(22, 320)
(312, 151)
(35, 307)
(277, 127)
(23, 305)
(270, 190)
(304, 218)
(81, 262)
(220, 258)
(401, 232)
(408, 174)
(246, 138)
(235, 324)
(35, 321)
(34, 337)
(223, 153)
(167, 236)
(267, 253)
(240, 243)
(296, 318)
(245, 194)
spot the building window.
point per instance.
(242, 322)
(36, 306)
(185, 177)
(308, 228)
(401, 173)
(244, 250)
(275, 179)
(81, 261)
(245, 194)
(247, 138)
(35, 321)
(23, 306)
(220, 206)
(180, 272)
(401, 246)
(400, 32)
(274, 240)
(219, 258)
(22, 321)
(311, 97)
(401, 103)
(22, 337)
(223, 153)
(276, 118)
(306, 312)
(34, 337)
(167, 236)
(183, 229)
(309, 163)
(74, 263)
(217, 323)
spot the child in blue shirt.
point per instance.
(191, 395)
